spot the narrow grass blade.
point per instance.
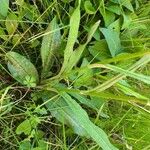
(141, 77)
(129, 91)
(144, 60)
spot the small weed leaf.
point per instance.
(24, 127)
(11, 23)
(113, 40)
(125, 3)
(89, 7)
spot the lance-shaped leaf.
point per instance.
(22, 69)
(107, 84)
(96, 133)
(76, 54)
(141, 77)
(73, 34)
(68, 111)
(50, 43)
(62, 112)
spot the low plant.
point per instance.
(97, 60)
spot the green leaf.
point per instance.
(22, 69)
(84, 77)
(141, 77)
(82, 119)
(91, 103)
(25, 145)
(108, 16)
(129, 91)
(115, 9)
(3, 34)
(24, 127)
(99, 50)
(89, 7)
(73, 34)
(50, 44)
(113, 40)
(42, 145)
(4, 6)
(62, 112)
(76, 54)
(127, 20)
(144, 60)
(116, 25)
(11, 23)
(125, 3)
(92, 31)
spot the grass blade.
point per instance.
(143, 78)
(144, 60)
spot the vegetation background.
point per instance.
(74, 74)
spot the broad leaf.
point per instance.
(11, 23)
(50, 44)
(25, 145)
(108, 16)
(68, 111)
(22, 69)
(125, 3)
(4, 6)
(115, 9)
(100, 50)
(89, 7)
(127, 20)
(116, 25)
(113, 40)
(91, 103)
(24, 127)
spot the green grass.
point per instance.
(74, 75)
